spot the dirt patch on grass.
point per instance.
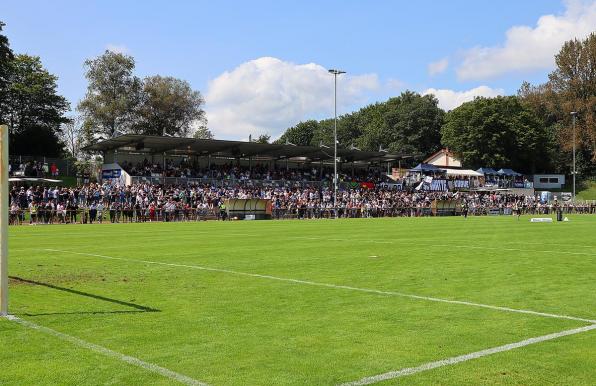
(69, 279)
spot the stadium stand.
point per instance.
(185, 179)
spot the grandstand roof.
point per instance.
(204, 147)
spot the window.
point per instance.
(553, 180)
(544, 180)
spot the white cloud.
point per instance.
(449, 99)
(268, 95)
(395, 85)
(527, 48)
(438, 67)
(117, 48)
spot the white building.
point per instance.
(549, 181)
(444, 158)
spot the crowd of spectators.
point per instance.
(149, 202)
(31, 168)
(258, 171)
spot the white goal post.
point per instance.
(4, 221)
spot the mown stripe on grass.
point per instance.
(181, 378)
(337, 286)
(466, 357)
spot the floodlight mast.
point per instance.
(4, 221)
(573, 114)
(335, 73)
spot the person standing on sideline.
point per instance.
(92, 212)
(100, 212)
(113, 212)
(516, 210)
(222, 211)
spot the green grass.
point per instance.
(588, 191)
(68, 181)
(225, 328)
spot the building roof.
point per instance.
(426, 168)
(463, 172)
(487, 171)
(508, 172)
(237, 149)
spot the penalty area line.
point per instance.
(466, 357)
(337, 286)
(181, 378)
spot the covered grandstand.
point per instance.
(131, 149)
(157, 146)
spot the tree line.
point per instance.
(530, 132)
(116, 102)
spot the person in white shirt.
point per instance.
(100, 212)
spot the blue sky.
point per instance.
(260, 64)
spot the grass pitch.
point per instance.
(301, 302)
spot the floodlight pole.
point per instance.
(574, 114)
(4, 221)
(335, 73)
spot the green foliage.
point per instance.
(497, 132)
(203, 133)
(31, 106)
(409, 123)
(571, 87)
(118, 102)
(302, 134)
(170, 106)
(6, 56)
(413, 124)
(113, 96)
(587, 190)
(263, 138)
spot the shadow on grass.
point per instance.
(137, 307)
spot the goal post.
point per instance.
(4, 221)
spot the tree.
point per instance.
(574, 84)
(413, 123)
(263, 138)
(302, 134)
(571, 87)
(170, 106)
(6, 56)
(409, 123)
(372, 121)
(111, 104)
(203, 133)
(72, 136)
(32, 108)
(497, 132)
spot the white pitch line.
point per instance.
(448, 245)
(110, 353)
(511, 249)
(313, 283)
(466, 357)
